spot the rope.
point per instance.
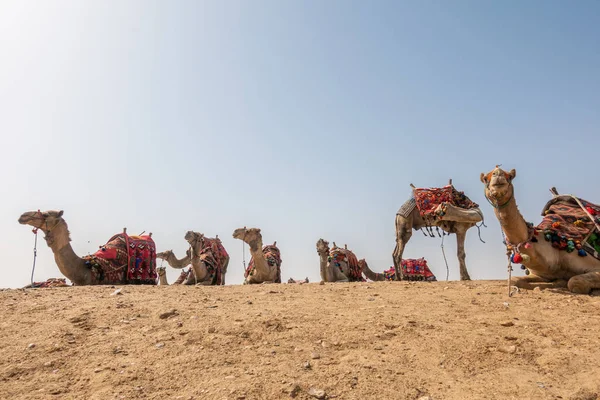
(480, 225)
(445, 260)
(509, 267)
(584, 209)
(34, 256)
(244, 255)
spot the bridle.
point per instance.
(487, 186)
(46, 230)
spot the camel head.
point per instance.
(498, 186)
(323, 247)
(248, 235)
(44, 220)
(161, 271)
(165, 254)
(193, 237)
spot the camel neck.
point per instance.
(70, 264)
(512, 222)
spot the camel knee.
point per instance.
(579, 284)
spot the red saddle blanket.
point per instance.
(124, 259)
(214, 255)
(273, 256)
(51, 282)
(413, 270)
(428, 199)
(338, 255)
(569, 227)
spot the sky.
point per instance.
(307, 119)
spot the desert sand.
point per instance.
(384, 340)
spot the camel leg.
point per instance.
(224, 271)
(403, 235)
(584, 283)
(531, 281)
(335, 275)
(461, 235)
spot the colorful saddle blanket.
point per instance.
(413, 270)
(183, 276)
(124, 259)
(569, 227)
(338, 255)
(428, 199)
(214, 255)
(273, 256)
(50, 282)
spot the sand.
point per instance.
(384, 340)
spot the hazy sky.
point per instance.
(307, 119)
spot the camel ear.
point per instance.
(60, 213)
(512, 174)
(482, 178)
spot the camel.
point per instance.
(95, 269)
(553, 262)
(422, 273)
(265, 264)
(162, 275)
(186, 277)
(303, 281)
(445, 215)
(337, 264)
(183, 277)
(208, 258)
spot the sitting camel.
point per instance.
(303, 281)
(265, 264)
(560, 259)
(337, 264)
(186, 277)
(444, 208)
(162, 275)
(208, 257)
(412, 270)
(183, 277)
(123, 260)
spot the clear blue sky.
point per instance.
(307, 119)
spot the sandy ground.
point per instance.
(385, 340)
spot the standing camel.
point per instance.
(265, 264)
(444, 208)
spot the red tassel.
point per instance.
(517, 258)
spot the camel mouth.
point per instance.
(238, 233)
(26, 219)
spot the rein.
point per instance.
(496, 205)
(35, 232)
(34, 255)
